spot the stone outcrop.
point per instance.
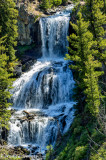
(27, 65)
(23, 25)
(28, 25)
(18, 70)
(28, 21)
(29, 33)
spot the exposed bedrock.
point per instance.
(28, 26)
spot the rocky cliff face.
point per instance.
(28, 21)
(28, 26)
(29, 39)
(29, 33)
(23, 25)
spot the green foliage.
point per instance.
(79, 43)
(92, 89)
(84, 64)
(5, 85)
(8, 21)
(87, 51)
(74, 1)
(64, 2)
(49, 152)
(4, 155)
(47, 4)
(8, 35)
(97, 136)
(96, 18)
(104, 6)
(101, 153)
(78, 145)
(37, 16)
(10, 158)
(80, 151)
(22, 49)
(57, 2)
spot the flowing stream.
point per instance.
(42, 97)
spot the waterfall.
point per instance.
(54, 35)
(42, 97)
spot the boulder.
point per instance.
(28, 65)
(39, 156)
(18, 70)
(21, 150)
(3, 142)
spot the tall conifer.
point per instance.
(5, 85)
(8, 21)
(8, 35)
(93, 14)
(82, 43)
(91, 82)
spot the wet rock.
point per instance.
(22, 119)
(22, 150)
(70, 2)
(28, 65)
(25, 59)
(27, 62)
(63, 121)
(65, 68)
(34, 150)
(26, 158)
(2, 142)
(13, 111)
(39, 156)
(54, 10)
(18, 70)
(4, 135)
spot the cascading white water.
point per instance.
(42, 97)
(54, 31)
(54, 41)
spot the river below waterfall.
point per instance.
(42, 97)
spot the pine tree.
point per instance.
(8, 35)
(5, 85)
(81, 54)
(8, 21)
(104, 7)
(79, 47)
(57, 2)
(94, 11)
(46, 4)
(92, 88)
(94, 14)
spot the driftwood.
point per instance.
(29, 115)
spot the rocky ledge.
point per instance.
(19, 152)
(28, 20)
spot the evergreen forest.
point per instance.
(85, 138)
